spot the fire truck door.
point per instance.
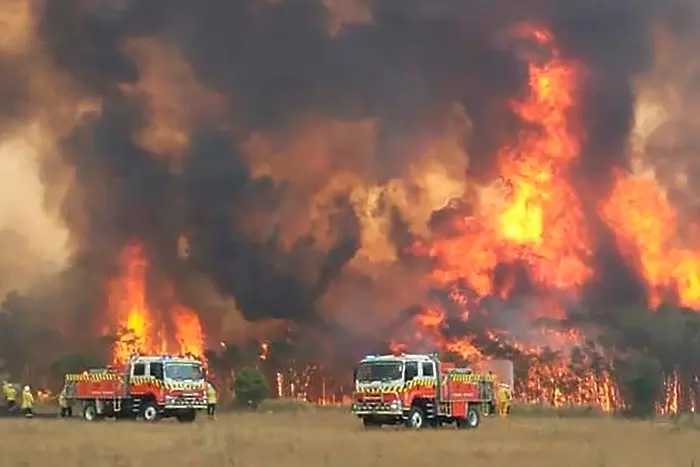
(155, 369)
(127, 378)
(446, 387)
(136, 369)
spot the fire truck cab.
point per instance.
(419, 391)
(147, 387)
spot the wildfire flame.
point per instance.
(539, 226)
(531, 218)
(646, 225)
(143, 329)
(542, 223)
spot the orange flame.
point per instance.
(143, 329)
(645, 225)
(188, 330)
(540, 225)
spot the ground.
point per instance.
(328, 437)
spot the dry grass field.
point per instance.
(334, 438)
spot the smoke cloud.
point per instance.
(301, 148)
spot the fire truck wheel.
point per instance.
(471, 421)
(416, 418)
(149, 412)
(90, 412)
(187, 416)
(370, 423)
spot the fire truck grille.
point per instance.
(186, 402)
(376, 406)
(373, 406)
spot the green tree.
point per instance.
(72, 363)
(251, 387)
(641, 383)
(224, 364)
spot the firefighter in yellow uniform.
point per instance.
(64, 404)
(10, 395)
(504, 399)
(27, 402)
(211, 400)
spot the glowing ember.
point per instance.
(264, 351)
(279, 379)
(142, 328)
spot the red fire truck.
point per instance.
(418, 391)
(146, 387)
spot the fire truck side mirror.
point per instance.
(354, 374)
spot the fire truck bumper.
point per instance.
(183, 403)
(393, 409)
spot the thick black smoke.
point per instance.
(275, 63)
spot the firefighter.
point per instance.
(10, 393)
(64, 404)
(211, 400)
(27, 402)
(504, 399)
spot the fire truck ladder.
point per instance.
(442, 404)
(446, 402)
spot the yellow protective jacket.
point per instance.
(10, 392)
(62, 402)
(27, 400)
(503, 395)
(211, 394)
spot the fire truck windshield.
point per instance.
(183, 371)
(369, 372)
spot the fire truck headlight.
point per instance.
(396, 406)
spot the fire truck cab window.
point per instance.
(183, 371)
(156, 369)
(411, 370)
(139, 369)
(428, 369)
(369, 372)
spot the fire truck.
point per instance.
(419, 391)
(146, 387)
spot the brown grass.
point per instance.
(334, 438)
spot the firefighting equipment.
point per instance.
(211, 394)
(504, 400)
